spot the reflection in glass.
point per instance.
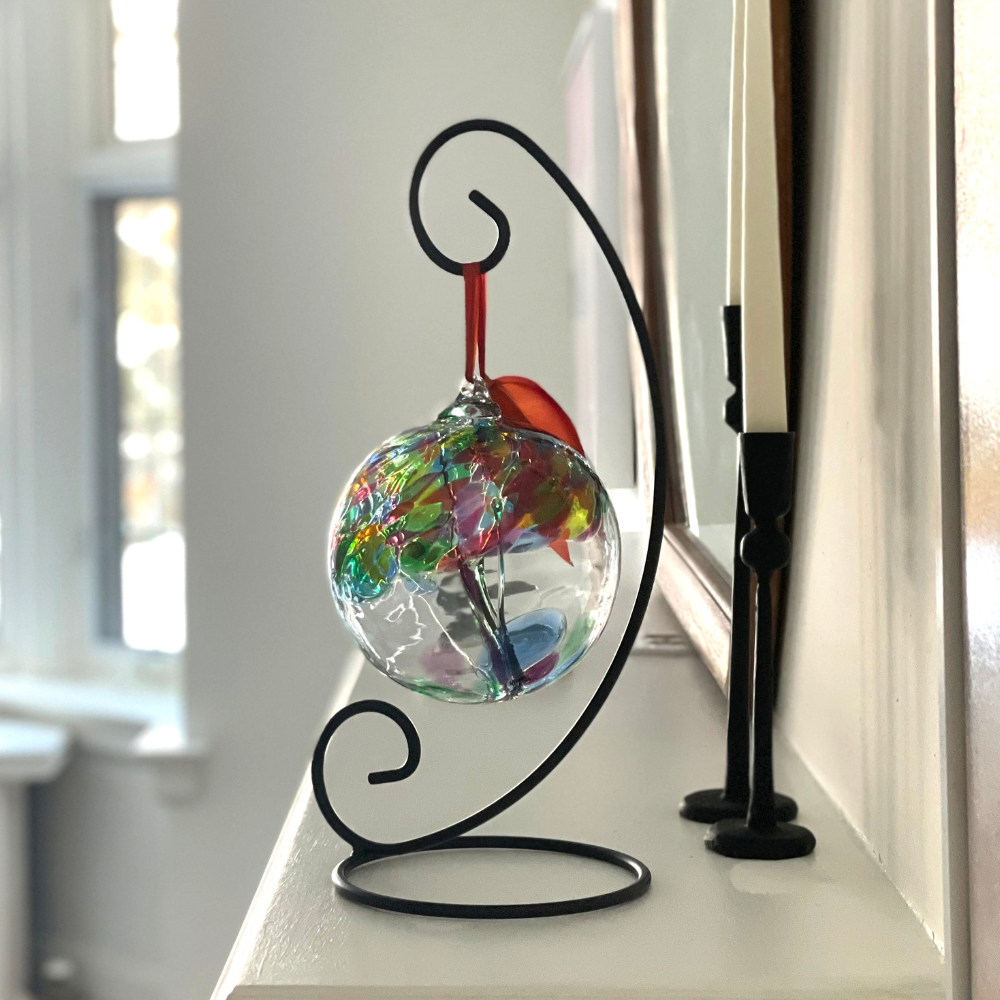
(698, 63)
(150, 441)
(146, 91)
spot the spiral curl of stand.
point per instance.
(453, 837)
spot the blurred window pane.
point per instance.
(149, 461)
(146, 92)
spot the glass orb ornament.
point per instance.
(473, 560)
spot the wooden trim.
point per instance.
(784, 139)
(108, 419)
(966, 118)
(643, 174)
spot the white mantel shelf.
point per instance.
(830, 926)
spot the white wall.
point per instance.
(864, 652)
(314, 327)
(43, 397)
(99, 844)
(602, 330)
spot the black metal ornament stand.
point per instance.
(454, 837)
(733, 800)
(766, 466)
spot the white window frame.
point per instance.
(58, 155)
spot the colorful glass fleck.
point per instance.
(474, 561)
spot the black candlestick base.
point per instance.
(735, 838)
(766, 466)
(711, 805)
(733, 800)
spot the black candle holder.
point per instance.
(733, 800)
(766, 465)
(365, 851)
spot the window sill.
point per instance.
(130, 723)
(120, 168)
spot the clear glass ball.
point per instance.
(474, 561)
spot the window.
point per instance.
(140, 439)
(146, 92)
(140, 444)
(90, 440)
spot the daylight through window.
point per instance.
(150, 446)
(146, 90)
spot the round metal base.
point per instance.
(500, 911)
(735, 839)
(711, 805)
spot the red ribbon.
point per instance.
(522, 402)
(475, 319)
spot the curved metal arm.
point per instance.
(361, 844)
(358, 842)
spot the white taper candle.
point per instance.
(764, 406)
(734, 261)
